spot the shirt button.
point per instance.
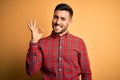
(60, 58)
(60, 69)
(60, 47)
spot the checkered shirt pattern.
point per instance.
(59, 58)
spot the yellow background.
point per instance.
(96, 21)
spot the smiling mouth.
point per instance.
(58, 25)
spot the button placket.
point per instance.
(60, 55)
(60, 59)
(60, 69)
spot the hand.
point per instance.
(37, 33)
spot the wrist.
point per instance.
(34, 41)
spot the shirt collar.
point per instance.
(54, 35)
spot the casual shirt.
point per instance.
(59, 58)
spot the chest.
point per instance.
(54, 49)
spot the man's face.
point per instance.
(61, 21)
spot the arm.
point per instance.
(84, 63)
(34, 56)
(33, 59)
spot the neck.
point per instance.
(61, 34)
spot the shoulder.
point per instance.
(76, 38)
(79, 42)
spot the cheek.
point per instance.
(68, 23)
(54, 21)
(65, 23)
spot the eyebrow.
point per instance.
(59, 17)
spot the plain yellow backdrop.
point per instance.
(97, 22)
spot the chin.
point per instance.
(57, 32)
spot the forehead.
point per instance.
(62, 13)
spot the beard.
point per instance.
(56, 28)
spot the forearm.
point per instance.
(84, 63)
(33, 59)
(86, 76)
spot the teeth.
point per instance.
(57, 26)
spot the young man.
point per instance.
(60, 56)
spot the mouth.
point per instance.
(57, 26)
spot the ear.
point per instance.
(70, 21)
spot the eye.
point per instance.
(55, 17)
(63, 19)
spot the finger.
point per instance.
(34, 23)
(29, 24)
(41, 29)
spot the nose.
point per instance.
(58, 21)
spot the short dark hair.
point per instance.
(63, 6)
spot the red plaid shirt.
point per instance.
(59, 58)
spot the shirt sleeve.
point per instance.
(84, 62)
(33, 59)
